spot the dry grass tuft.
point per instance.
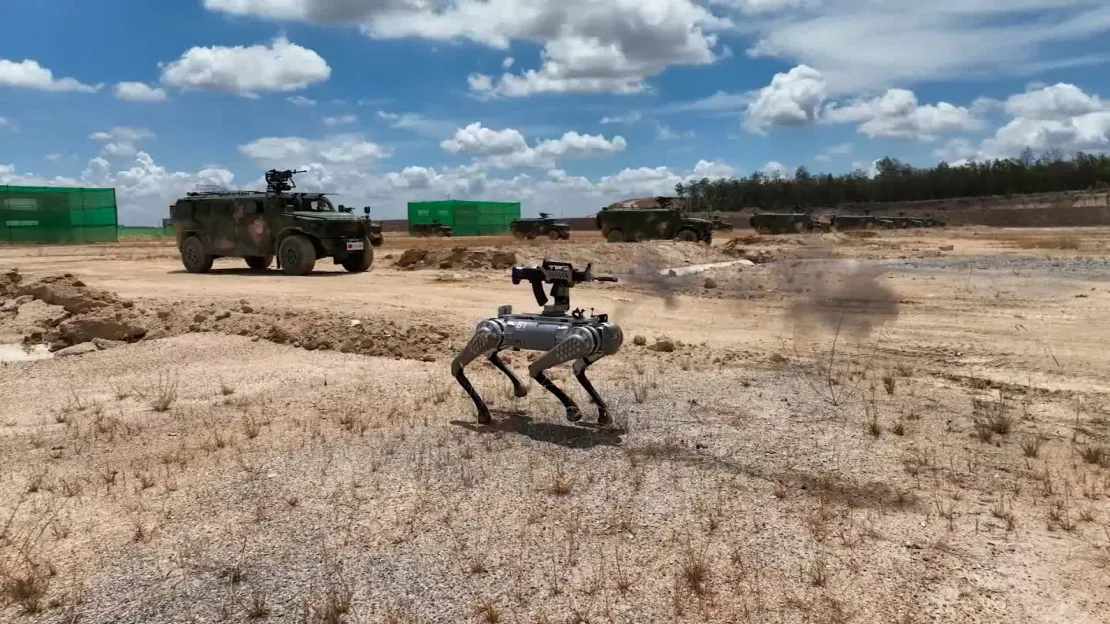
(27, 590)
(696, 571)
(889, 382)
(1031, 446)
(1094, 454)
(163, 394)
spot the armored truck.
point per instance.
(375, 229)
(544, 226)
(784, 223)
(843, 223)
(619, 225)
(296, 228)
(424, 230)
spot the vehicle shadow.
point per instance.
(268, 273)
(581, 436)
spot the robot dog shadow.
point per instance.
(581, 436)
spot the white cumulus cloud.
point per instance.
(340, 120)
(121, 140)
(791, 99)
(139, 92)
(508, 147)
(28, 74)
(586, 45)
(299, 152)
(897, 115)
(247, 70)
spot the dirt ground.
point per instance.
(907, 426)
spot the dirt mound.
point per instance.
(457, 258)
(62, 311)
(70, 293)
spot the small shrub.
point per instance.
(164, 394)
(27, 591)
(1031, 446)
(1094, 454)
(889, 382)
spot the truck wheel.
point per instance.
(764, 230)
(193, 256)
(615, 236)
(554, 235)
(566, 235)
(259, 263)
(361, 262)
(298, 257)
(688, 236)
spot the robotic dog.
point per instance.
(563, 337)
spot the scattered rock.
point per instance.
(223, 315)
(446, 264)
(672, 273)
(84, 329)
(502, 260)
(428, 358)
(11, 305)
(639, 340)
(77, 349)
(355, 322)
(58, 345)
(710, 282)
(163, 314)
(388, 256)
(70, 293)
(663, 345)
(246, 309)
(200, 317)
(104, 345)
(411, 257)
(36, 313)
(947, 247)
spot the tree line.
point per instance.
(895, 180)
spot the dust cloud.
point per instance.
(843, 296)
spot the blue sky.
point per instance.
(565, 106)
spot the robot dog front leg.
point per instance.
(580, 367)
(486, 339)
(577, 344)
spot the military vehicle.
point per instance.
(619, 225)
(721, 225)
(842, 223)
(424, 230)
(375, 229)
(785, 223)
(544, 226)
(297, 228)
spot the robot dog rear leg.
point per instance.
(518, 388)
(580, 374)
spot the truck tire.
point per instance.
(259, 263)
(687, 235)
(194, 257)
(763, 229)
(298, 256)
(361, 261)
(554, 235)
(615, 236)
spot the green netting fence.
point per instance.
(58, 215)
(466, 218)
(144, 232)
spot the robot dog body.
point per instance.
(562, 335)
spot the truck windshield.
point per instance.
(321, 204)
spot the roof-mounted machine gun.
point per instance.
(281, 181)
(561, 336)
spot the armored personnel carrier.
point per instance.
(297, 228)
(619, 225)
(543, 226)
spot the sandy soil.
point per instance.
(909, 427)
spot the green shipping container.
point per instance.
(57, 215)
(466, 218)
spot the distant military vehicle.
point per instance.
(721, 225)
(297, 228)
(784, 223)
(842, 223)
(618, 225)
(375, 229)
(544, 226)
(424, 230)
